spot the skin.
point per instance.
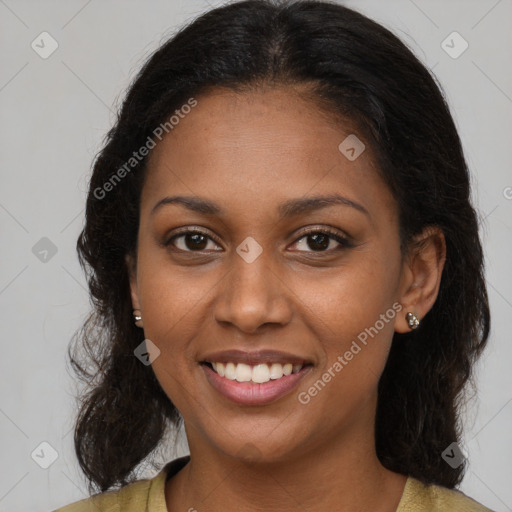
(249, 153)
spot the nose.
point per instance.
(252, 295)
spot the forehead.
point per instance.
(261, 146)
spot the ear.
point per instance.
(421, 275)
(132, 273)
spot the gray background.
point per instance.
(55, 112)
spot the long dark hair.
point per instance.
(360, 71)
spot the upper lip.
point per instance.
(253, 358)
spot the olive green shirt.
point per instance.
(149, 496)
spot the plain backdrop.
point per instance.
(55, 112)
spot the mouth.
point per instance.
(257, 374)
(254, 384)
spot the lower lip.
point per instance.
(251, 393)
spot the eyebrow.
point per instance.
(289, 208)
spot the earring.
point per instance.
(137, 317)
(412, 320)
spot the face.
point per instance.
(251, 267)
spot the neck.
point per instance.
(340, 476)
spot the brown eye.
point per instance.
(196, 242)
(321, 241)
(318, 241)
(192, 241)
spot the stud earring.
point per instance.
(137, 317)
(412, 320)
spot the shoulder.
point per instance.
(138, 496)
(419, 497)
(132, 496)
(452, 499)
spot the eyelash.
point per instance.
(344, 242)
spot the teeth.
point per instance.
(276, 371)
(229, 371)
(243, 372)
(259, 373)
(220, 369)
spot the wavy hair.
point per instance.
(355, 69)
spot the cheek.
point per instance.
(173, 308)
(351, 312)
(355, 329)
(352, 297)
(171, 296)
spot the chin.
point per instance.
(263, 451)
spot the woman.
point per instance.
(283, 256)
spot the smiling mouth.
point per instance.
(258, 374)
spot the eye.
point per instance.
(318, 240)
(322, 240)
(192, 240)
